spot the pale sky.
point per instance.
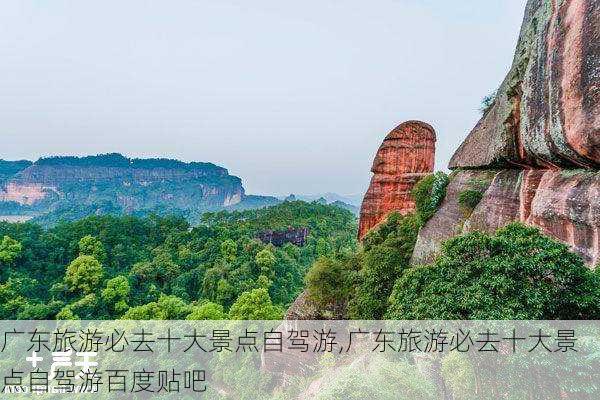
(293, 97)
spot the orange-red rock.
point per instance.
(564, 204)
(547, 110)
(405, 156)
(540, 139)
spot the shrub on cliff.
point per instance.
(517, 273)
(429, 193)
(487, 102)
(469, 198)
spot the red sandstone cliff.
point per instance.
(538, 146)
(547, 110)
(405, 156)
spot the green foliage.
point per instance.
(101, 267)
(10, 249)
(255, 305)
(517, 273)
(10, 168)
(84, 308)
(429, 193)
(116, 294)
(265, 260)
(487, 102)
(166, 308)
(229, 250)
(329, 283)
(207, 311)
(84, 274)
(469, 198)
(459, 375)
(387, 252)
(91, 246)
(388, 380)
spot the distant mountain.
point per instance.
(354, 200)
(72, 187)
(328, 198)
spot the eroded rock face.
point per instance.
(547, 110)
(296, 236)
(540, 139)
(23, 194)
(564, 204)
(448, 221)
(405, 156)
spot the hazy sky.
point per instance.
(290, 96)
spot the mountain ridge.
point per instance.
(79, 186)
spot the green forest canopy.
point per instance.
(108, 267)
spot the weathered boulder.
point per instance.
(405, 156)
(547, 110)
(564, 204)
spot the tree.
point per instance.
(517, 273)
(265, 260)
(116, 294)
(166, 308)
(229, 250)
(91, 246)
(207, 311)
(10, 249)
(84, 274)
(386, 255)
(87, 307)
(255, 305)
(329, 283)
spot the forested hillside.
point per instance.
(108, 267)
(70, 188)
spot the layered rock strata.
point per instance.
(405, 156)
(547, 110)
(540, 139)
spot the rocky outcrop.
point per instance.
(449, 219)
(296, 236)
(405, 156)
(547, 110)
(303, 309)
(25, 194)
(50, 185)
(564, 204)
(540, 140)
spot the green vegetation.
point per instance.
(517, 273)
(10, 249)
(488, 101)
(109, 267)
(387, 379)
(358, 285)
(386, 254)
(429, 193)
(10, 168)
(469, 198)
